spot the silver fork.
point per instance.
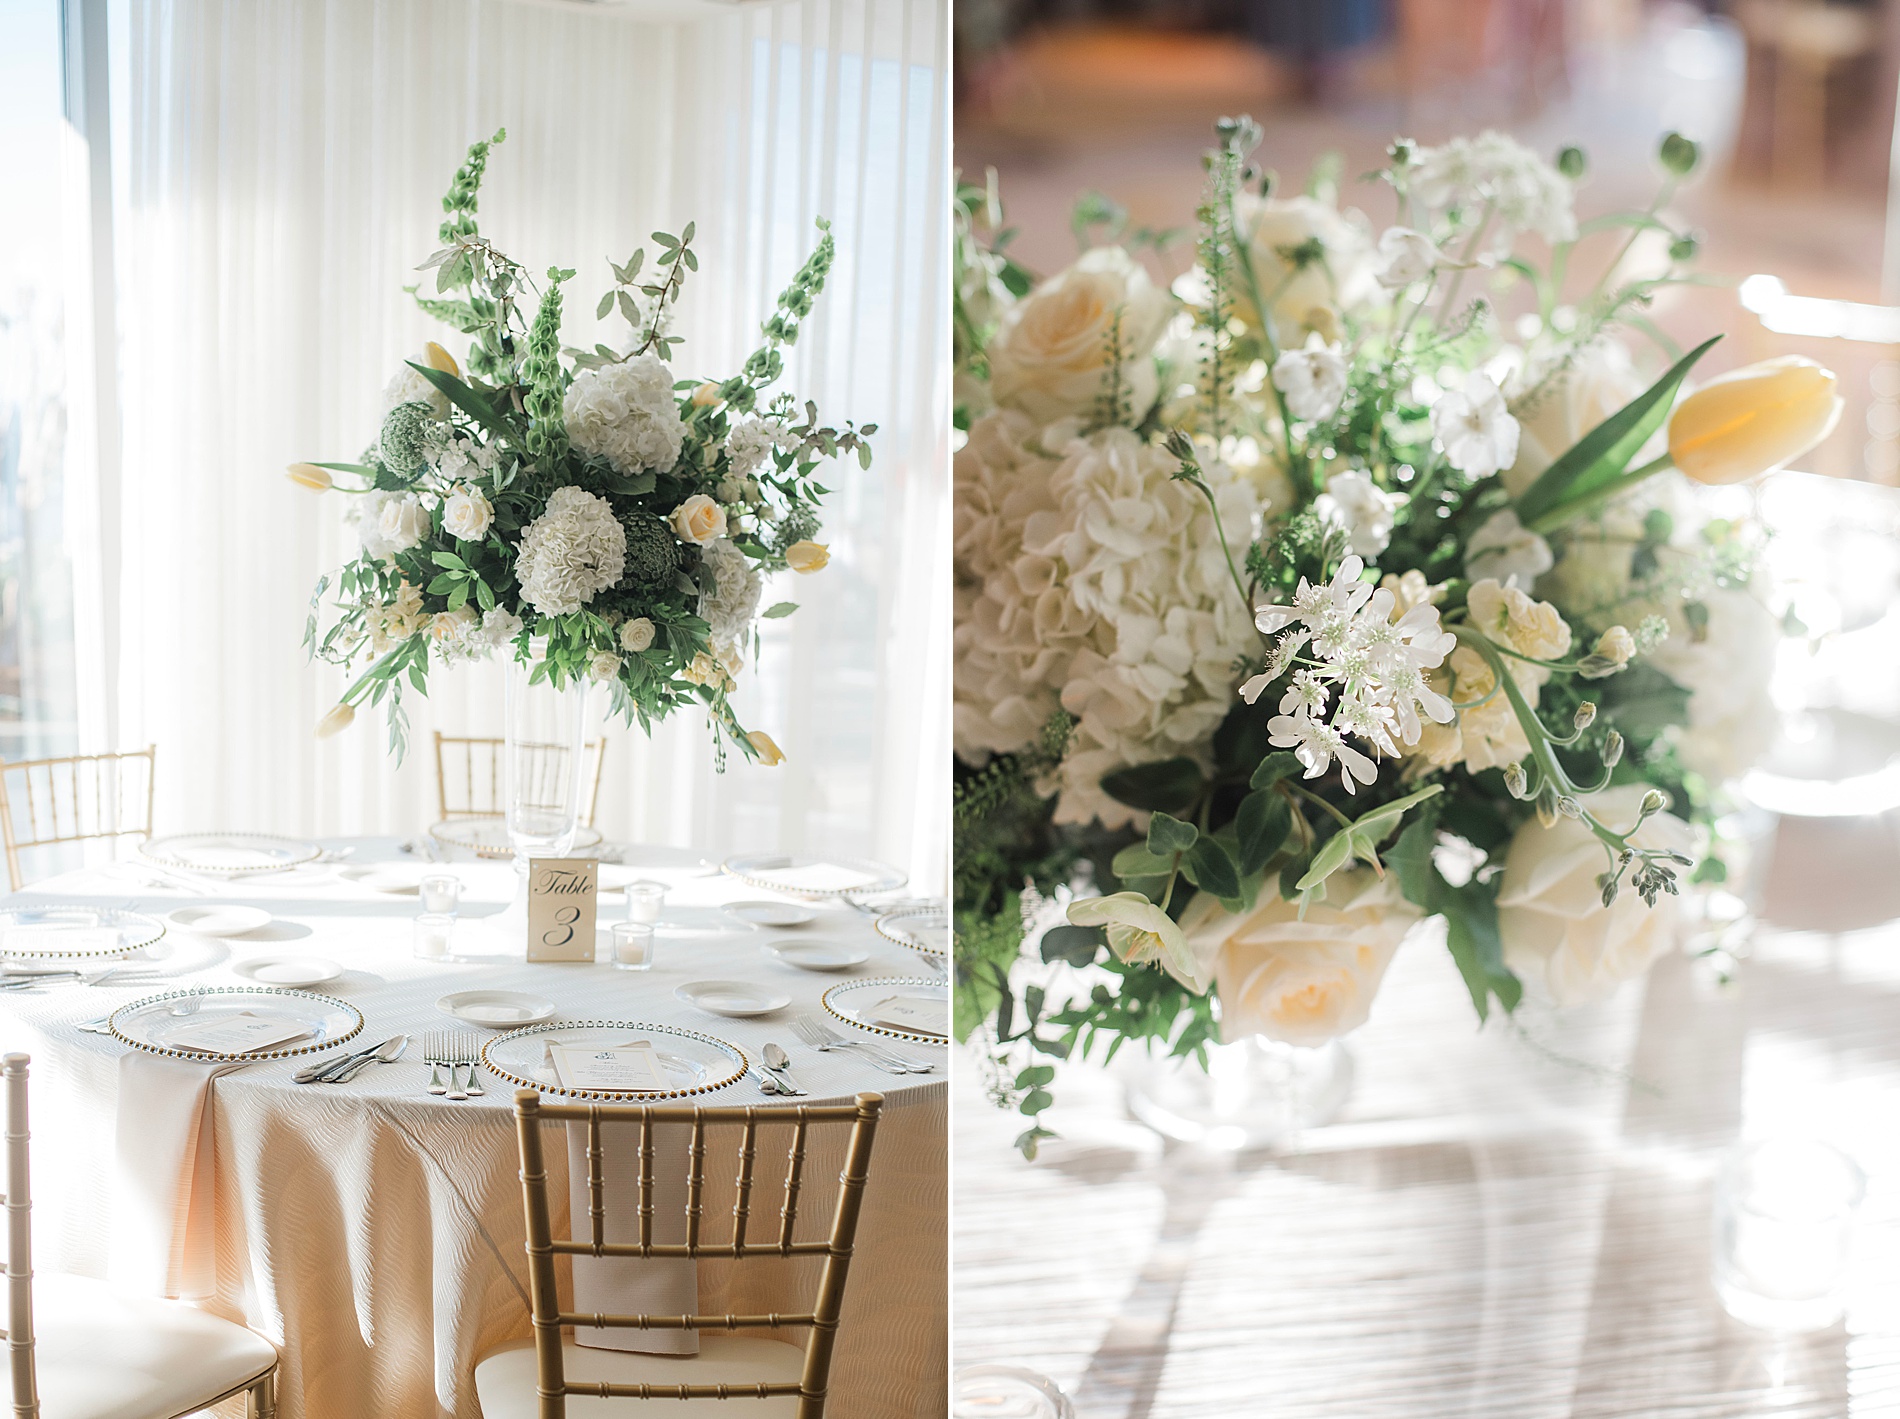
(466, 1050)
(432, 1054)
(821, 1037)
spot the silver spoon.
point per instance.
(388, 1052)
(780, 1064)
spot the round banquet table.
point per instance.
(374, 1232)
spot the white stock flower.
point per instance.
(1405, 256)
(402, 523)
(732, 600)
(500, 626)
(1302, 976)
(1504, 549)
(627, 414)
(636, 635)
(1557, 932)
(1313, 379)
(575, 549)
(1280, 234)
(1475, 428)
(749, 443)
(1051, 356)
(1356, 503)
(1524, 192)
(467, 514)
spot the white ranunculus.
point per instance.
(1051, 358)
(627, 414)
(1301, 980)
(467, 514)
(1356, 503)
(1507, 551)
(408, 387)
(1732, 717)
(1405, 256)
(574, 550)
(1556, 930)
(1313, 379)
(500, 626)
(1340, 279)
(732, 602)
(1475, 428)
(402, 523)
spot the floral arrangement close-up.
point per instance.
(1342, 582)
(601, 516)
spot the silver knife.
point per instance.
(764, 1079)
(387, 1053)
(311, 1073)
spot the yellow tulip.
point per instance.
(336, 721)
(440, 359)
(807, 557)
(308, 475)
(705, 396)
(769, 754)
(1753, 420)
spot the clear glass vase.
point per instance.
(1254, 1093)
(544, 735)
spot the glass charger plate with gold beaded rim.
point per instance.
(814, 878)
(695, 1062)
(488, 837)
(846, 1002)
(229, 854)
(924, 928)
(75, 931)
(144, 1024)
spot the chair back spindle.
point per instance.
(76, 798)
(468, 776)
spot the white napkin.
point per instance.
(910, 1012)
(631, 1285)
(163, 1239)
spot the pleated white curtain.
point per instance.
(278, 165)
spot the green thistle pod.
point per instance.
(653, 552)
(405, 437)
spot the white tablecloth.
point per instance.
(375, 1232)
(1497, 1227)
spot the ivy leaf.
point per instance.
(1264, 820)
(1273, 768)
(1136, 861)
(1210, 868)
(1170, 783)
(1168, 835)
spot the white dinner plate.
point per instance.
(298, 972)
(223, 921)
(488, 837)
(693, 1063)
(32, 933)
(736, 998)
(396, 878)
(229, 854)
(497, 1009)
(800, 875)
(819, 954)
(771, 913)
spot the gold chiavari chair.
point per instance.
(468, 775)
(79, 1349)
(758, 1378)
(74, 799)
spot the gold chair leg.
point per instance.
(262, 1401)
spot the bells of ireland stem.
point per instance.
(1753, 420)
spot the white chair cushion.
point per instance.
(504, 1382)
(104, 1354)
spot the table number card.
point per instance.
(563, 895)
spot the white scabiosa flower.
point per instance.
(1355, 502)
(572, 551)
(1313, 379)
(626, 414)
(467, 514)
(1475, 428)
(1507, 551)
(1405, 256)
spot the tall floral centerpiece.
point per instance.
(589, 513)
(1350, 579)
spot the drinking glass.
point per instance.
(441, 891)
(433, 936)
(1784, 1223)
(644, 900)
(1007, 1392)
(633, 946)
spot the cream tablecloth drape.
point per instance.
(375, 1232)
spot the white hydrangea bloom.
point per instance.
(749, 443)
(626, 413)
(408, 387)
(732, 601)
(1353, 501)
(1732, 717)
(1313, 379)
(572, 551)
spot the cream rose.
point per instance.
(1302, 981)
(1556, 408)
(1340, 278)
(807, 557)
(699, 520)
(466, 514)
(636, 635)
(603, 667)
(1550, 909)
(402, 523)
(1051, 357)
